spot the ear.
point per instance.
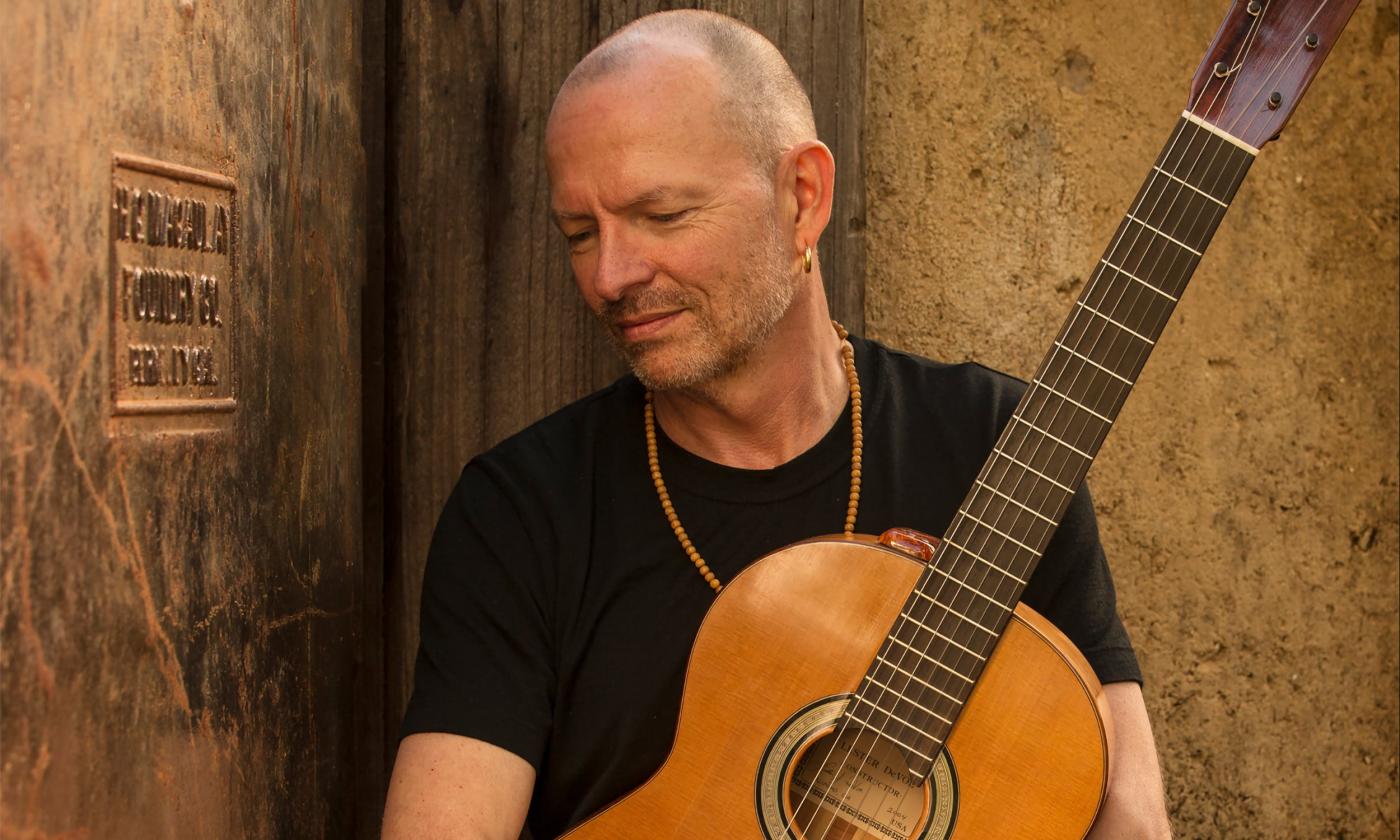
(807, 174)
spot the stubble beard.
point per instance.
(718, 343)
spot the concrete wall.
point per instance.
(1248, 494)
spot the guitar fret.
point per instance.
(925, 657)
(1031, 469)
(974, 589)
(1004, 536)
(975, 556)
(1139, 280)
(1076, 450)
(1191, 186)
(1124, 327)
(886, 712)
(907, 617)
(1165, 236)
(1076, 403)
(1111, 373)
(1018, 504)
(916, 678)
(968, 619)
(1219, 132)
(907, 699)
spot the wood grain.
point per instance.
(182, 602)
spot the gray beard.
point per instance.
(766, 301)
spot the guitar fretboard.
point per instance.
(951, 622)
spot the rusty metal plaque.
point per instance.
(173, 289)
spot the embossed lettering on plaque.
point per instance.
(174, 288)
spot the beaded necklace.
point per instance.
(857, 441)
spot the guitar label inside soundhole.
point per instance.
(816, 782)
(855, 785)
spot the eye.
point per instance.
(667, 218)
(578, 239)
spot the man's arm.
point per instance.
(448, 786)
(1135, 806)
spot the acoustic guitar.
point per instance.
(840, 688)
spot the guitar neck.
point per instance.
(963, 599)
(1044, 453)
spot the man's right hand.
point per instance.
(449, 786)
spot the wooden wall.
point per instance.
(483, 332)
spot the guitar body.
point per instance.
(775, 658)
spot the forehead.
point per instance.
(658, 119)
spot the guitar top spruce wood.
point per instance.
(839, 688)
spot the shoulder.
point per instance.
(967, 391)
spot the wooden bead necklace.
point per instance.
(857, 441)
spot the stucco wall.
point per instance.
(1248, 494)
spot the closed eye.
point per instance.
(667, 218)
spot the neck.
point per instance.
(776, 405)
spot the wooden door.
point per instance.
(182, 252)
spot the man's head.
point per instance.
(686, 174)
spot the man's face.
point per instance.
(673, 233)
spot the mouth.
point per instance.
(641, 327)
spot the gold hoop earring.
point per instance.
(807, 260)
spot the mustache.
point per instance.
(643, 302)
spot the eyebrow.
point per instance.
(654, 194)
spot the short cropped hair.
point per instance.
(766, 106)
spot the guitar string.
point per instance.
(898, 693)
(1229, 91)
(1058, 381)
(1228, 87)
(1004, 510)
(1139, 294)
(1293, 56)
(1048, 381)
(1054, 381)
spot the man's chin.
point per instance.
(664, 369)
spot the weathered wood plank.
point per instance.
(438, 160)
(181, 595)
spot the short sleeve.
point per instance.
(484, 667)
(1073, 588)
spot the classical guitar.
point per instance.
(839, 688)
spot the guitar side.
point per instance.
(1029, 751)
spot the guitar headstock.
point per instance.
(1263, 58)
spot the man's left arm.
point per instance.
(1135, 806)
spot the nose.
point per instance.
(622, 262)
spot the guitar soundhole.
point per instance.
(855, 785)
(814, 783)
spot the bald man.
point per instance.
(573, 563)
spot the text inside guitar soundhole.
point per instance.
(855, 785)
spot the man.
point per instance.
(573, 564)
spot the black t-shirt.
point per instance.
(559, 609)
